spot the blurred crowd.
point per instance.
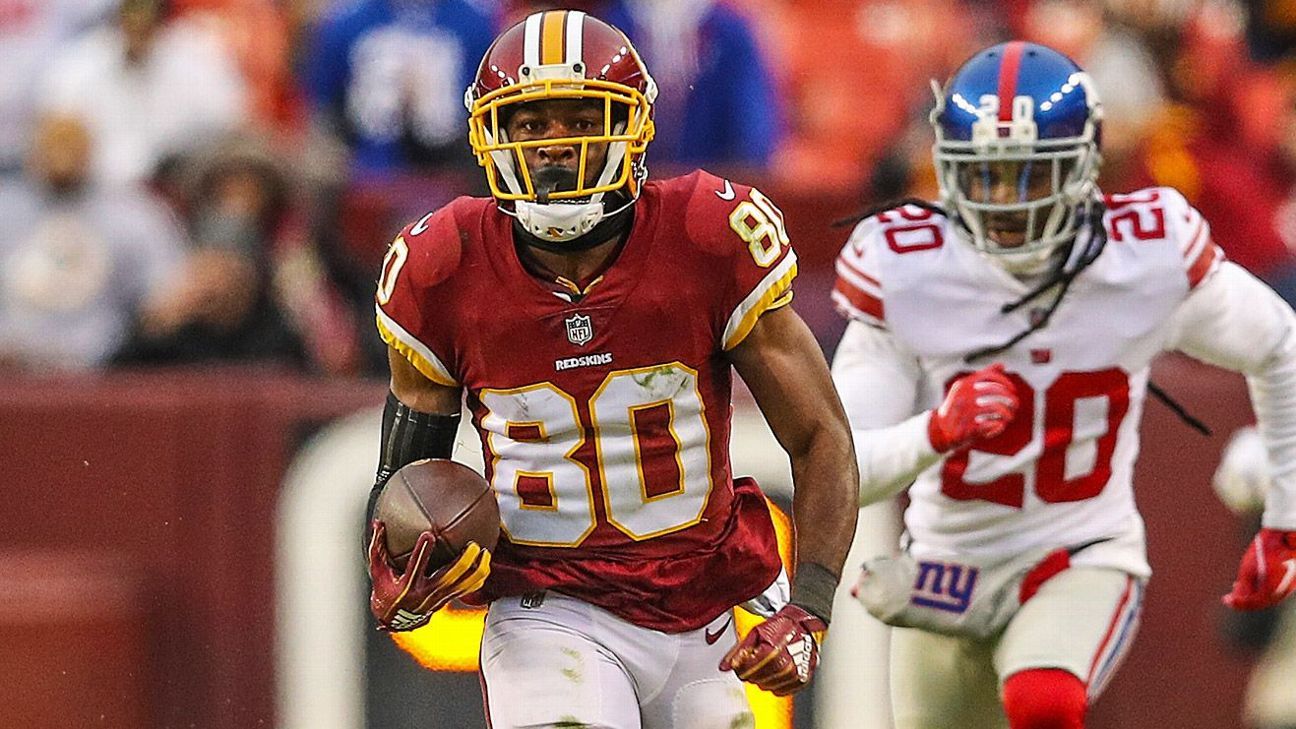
(187, 181)
(215, 181)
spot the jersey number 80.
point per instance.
(651, 452)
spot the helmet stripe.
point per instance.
(1008, 71)
(575, 36)
(531, 40)
(552, 37)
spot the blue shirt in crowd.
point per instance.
(391, 74)
(722, 107)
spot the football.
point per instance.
(446, 498)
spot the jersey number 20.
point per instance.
(1062, 401)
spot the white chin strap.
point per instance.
(559, 221)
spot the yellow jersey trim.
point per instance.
(416, 352)
(773, 295)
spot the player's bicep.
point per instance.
(877, 378)
(411, 387)
(786, 372)
(1232, 320)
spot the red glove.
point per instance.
(1268, 572)
(407, 600)
(977, 407)
(779, 655)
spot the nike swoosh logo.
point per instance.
(1288, 579)
(421, 225)
(711, 638)
(727, 193)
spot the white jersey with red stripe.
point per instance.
(1061, 473)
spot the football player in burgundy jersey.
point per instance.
(996, 364)
(592, 319)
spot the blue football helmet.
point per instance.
(1018, 128)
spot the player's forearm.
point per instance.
(412, 431)
(824, 507)
(781, 364)
(878, 380)
(1273, 397)
(1235, 321)
(890, 458)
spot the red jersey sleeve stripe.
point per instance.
(1209, 258)
(860, 300)
(1195, 238)
(858, 271)
(852, 277)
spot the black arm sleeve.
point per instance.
(407, 436)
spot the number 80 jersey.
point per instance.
(604, 413)
(1061, 473)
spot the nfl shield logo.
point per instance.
(579, 329)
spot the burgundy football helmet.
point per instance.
(562, 54)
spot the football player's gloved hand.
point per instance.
(978, 406)
(1268, 571)
(406, 600)
(779, 655)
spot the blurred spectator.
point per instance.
(76, 259)
(223, 305)
(1121, 65)
(717, 104)
(1271, 28)
(1229, 144)
(151, 91)
(389, 77)
(31, 31)
(858, 77)
(256, 32)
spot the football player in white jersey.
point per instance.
(996, 365)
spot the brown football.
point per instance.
(446, 498)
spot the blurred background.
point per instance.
(195, 196)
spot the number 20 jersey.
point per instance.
(605, 417)
(1061, 473)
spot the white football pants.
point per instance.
(1082, 620)
(565, 663)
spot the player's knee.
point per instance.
(1045, 699)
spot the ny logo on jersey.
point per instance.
(579, 329)
(944, 586)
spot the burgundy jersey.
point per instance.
(604, 413)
